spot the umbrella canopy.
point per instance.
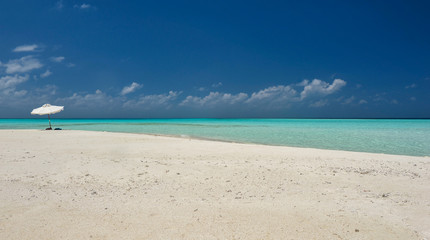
(47, 109)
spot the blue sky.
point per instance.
(151, 59)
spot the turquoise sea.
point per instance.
(391, 136)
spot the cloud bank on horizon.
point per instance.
(272, 101)
(17, 72)
(163, 64)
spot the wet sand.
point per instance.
(100, 185)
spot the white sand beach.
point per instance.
(100, 185)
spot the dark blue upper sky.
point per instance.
(216, 59)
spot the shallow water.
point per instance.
(391, 136)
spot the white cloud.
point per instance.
(26, 48)
(320, 103)
(97, 99)
(321, 88)
(214, 98)
(57, 59)
(275, 94)
(12, 81)
(349, 100)
(95, 104)
(129, 89)
(83, 6)
(98, 103)
(413, 98)
(8, 93)
(303, 83)
(70, 65)
(362, 101)
(413, 85)
(46, 74)
(47, 90)
(20, 93)
(272, 97)
(22, 65)
(150, 101)
(216, 85)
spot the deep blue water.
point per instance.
(391, 136)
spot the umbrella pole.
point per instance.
(49, 121)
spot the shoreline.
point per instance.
(217, 140)
(402, 137)
(74, 184)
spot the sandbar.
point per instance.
(102, 185)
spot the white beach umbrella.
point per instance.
(47, 109)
